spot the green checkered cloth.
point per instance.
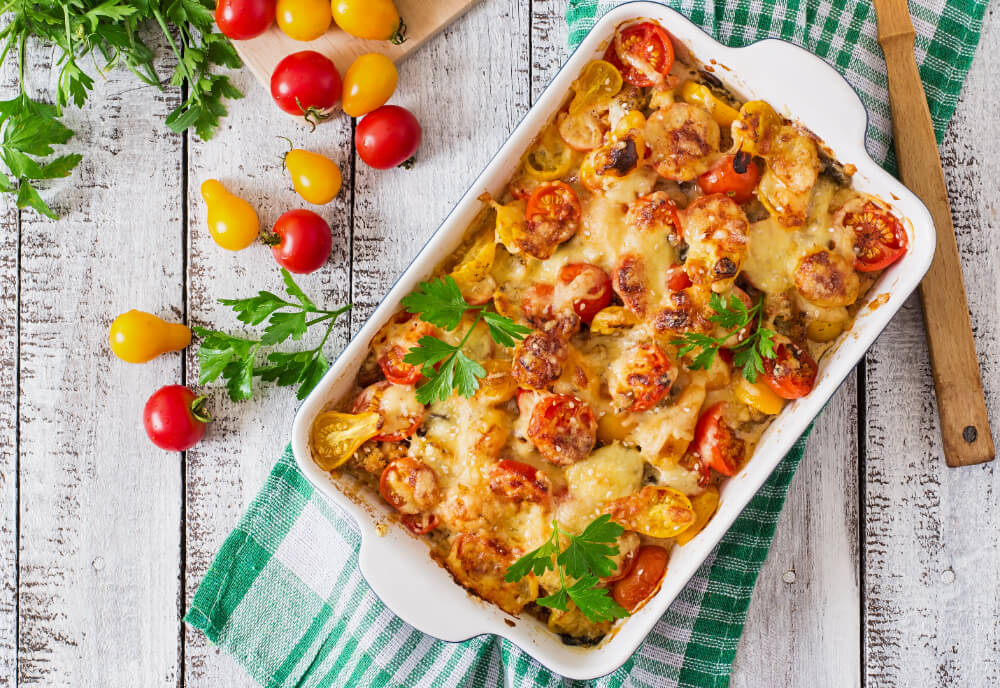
(284, 596)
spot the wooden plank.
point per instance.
(932, 599)
(99, 507)
(803, 627)
(423, 21)
(225, 471)
(9, 285)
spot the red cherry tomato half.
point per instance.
(792, 371)
(388, 137)
(643, 579)
(244, 19)
(677, 278)
(396, 370)
(554, 202)
(716, 443)
(593, 286)
(175, 418)
(879, 238)
(519, 482)
(563, 428)
(726, 178)
(306, 83)
(643, 53)
(301, 241)
(421, 524)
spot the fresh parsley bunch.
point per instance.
(587, 558)
(445, 366)
(734, 316)
(110, 30)
(234, 358)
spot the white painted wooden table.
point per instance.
(886, 567)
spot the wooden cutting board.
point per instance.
(423, 18)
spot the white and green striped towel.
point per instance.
(284, 596)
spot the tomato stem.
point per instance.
(399, 35)
(269, 238)
(408, 163)
(198, 410)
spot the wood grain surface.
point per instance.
(879, 573)
(965, 422)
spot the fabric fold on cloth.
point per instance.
(284, 596)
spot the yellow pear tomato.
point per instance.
(304, 20)
(369, 82)
(316, 178)
(138, 337)
(232, 222)
(377, 20)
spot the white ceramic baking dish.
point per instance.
(799, 85)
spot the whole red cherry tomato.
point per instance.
(306, 83)
(301, 241)
(388, 136)
(735, 176)
(244, 19)
(175, 418)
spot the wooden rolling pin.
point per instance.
(965, 425)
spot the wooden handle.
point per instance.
(965, 425)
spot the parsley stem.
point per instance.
(195, 92)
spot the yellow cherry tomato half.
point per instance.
(316, 178)
(138, 337)
(369, 82)
(336, 436)
(304, 20)
(699, 94)
(373, 19)
(550, 158)
(705, 506)
(232, 222)
(758, 395)
(600, 80)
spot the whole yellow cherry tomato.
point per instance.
(304, 20)
(368, 84)
(316, 178)
(137, 337)
(232, 222)
(374, 19)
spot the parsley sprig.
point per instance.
(445, 367)
(734, 316)
(587, 558)
(234, 358)
(113, 31)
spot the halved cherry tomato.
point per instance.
(536, 302)
(550, 157)
(655, 510)
(388, 137)
(563, 428)
(726, 178)
(396, 370)
(644, 578)
(677, 278)
(600, 80)
(306, 83)
(554, 202)
(722, 112)
(303, 20)
(716, 443)
(646, 377)
(879, 237)
(409, 485)
(244, 19)
(655, 212)
(336, 436)
(792, 371)
(591, 283)
(400, 414)
(301, 241)
(420, 524)
(519, 482)
(643, 53)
